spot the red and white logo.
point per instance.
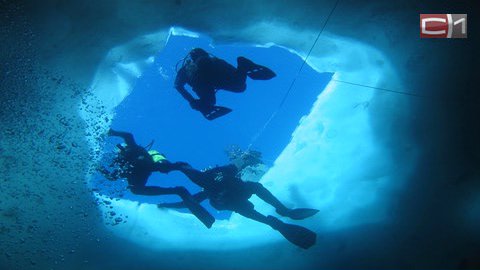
(443, 25)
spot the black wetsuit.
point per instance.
(208, 74)
(136, 165)
(226, 191)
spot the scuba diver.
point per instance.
(227, 191)
(136, 164)
(207, 74)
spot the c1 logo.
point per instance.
(443, 25)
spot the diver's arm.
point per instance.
(111, 176)
(176, 205)
(180, 82)
(152, 190)
(185, 94)
(126, 136)
(163, 167)
(198, 197)
(166, 166)
(229, 169)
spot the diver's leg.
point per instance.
(206, 99)
(297, 235)
(199, 197)
(153, 191)
(235, 82)
(166, 166)
(196, 176)
(247, 210)
(206, 218)
(254, 71)
(126, 136)
(175, 205)
(206, 96)
(226, 77)
(264, 194)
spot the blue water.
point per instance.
(156, 111)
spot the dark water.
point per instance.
(51, 50)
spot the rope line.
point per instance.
(272, 116)
(383, 89)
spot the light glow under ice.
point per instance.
(332, 162)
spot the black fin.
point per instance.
(216, 112)
(201, 213)
(255, 71)
(297, 235)
(261, 73)
(300, 213)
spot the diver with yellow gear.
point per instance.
(135, 164)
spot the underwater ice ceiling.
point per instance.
(331, 162)
(155, 111)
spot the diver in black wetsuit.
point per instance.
(227, 191)
(136, 164)
(206, 74)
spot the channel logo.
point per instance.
(443, 25)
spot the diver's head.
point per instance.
(246, 159)
(243, 158)
(197, 53)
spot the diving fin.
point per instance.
(203, 215)
(299, 213)
(216, 112)
(297, 235)
(261, 73)
(255, 71)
